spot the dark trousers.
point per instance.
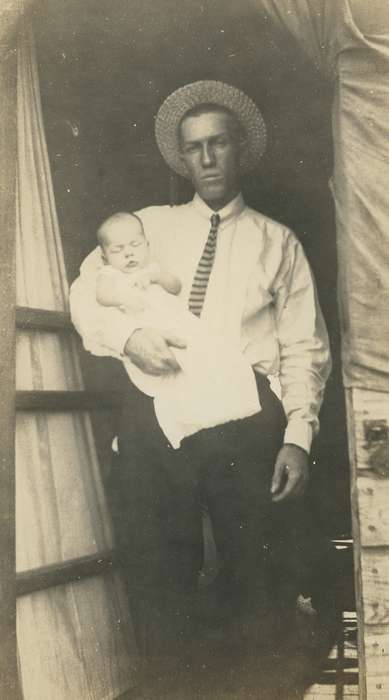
(159, 495)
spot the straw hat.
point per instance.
(209, 92)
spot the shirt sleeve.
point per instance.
(305, 361)
(104, 330)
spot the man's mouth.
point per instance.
(211, 178)
(132, 263)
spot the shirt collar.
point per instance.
(233, 208)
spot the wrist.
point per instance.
(155, 273)
(297, 447)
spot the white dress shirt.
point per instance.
(215, 384)
(261, 294)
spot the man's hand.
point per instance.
(291, 473)
(149, 350)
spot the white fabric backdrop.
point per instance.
(348, 40)
(74, 641)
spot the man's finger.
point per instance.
(150, 351)
(285, 493)
(277, 477)
(172, 364)
(165, 356)
(293, 489)
(166, 359)
(156, 367)
(174, 340)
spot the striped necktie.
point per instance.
(201, 278)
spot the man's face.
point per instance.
(211, 153)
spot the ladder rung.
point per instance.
(43, 320)
(64, 572)
(68, 400)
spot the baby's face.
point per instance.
(125, 247)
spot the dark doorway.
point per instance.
(104, 70)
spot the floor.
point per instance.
(318, 660)
(322, 666)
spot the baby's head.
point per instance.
(123, 243)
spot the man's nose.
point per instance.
(207, 155)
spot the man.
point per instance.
(248, 278)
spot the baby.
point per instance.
(127, 264)
(215, 383)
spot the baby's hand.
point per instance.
(142, 280)
(155, 273)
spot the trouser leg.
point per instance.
(237, 463)
(237, 493)
(158, 530)
(287, 566)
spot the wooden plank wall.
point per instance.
(368, 428)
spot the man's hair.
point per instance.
(237, 130)
(111, 220)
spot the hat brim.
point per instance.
(189, 96)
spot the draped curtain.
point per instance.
(75, 640)
(348, 40)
